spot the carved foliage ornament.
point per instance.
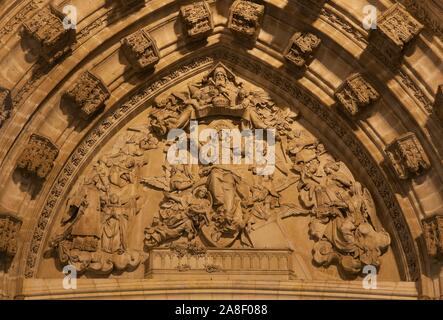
(5, 105)
(141, 50)
(396, 29)
(50, 37)
(355, 93)
(301, 48)
(433, 234)
(38, 156)
(89, 94)
(9, 227)
(197, 18)
(407, 156)
(245, 18)
(220, 206)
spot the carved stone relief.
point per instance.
(89, 94)
(9, 227)
(433, 234)
(356, 93)
(301, 48)
(50, 39)
(395, 32)
(245, 18)
(438, 105)
(219, 207)
(197, 18)
(5, 105)
(141, 50)
(407, 156)
(38, 156)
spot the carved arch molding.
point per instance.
(115, 209)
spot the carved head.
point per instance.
(220, 76)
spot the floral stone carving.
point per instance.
(49, 36)
(197, 18)
(433, 234)
(301, 48)
(5, 105)
(407, 156)
(38, 156)
(245, 18)
(9, 228)
(141, 50)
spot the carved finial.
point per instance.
(5, 105)
(438, 105)
(356, 93)
(197, 18)
(38, 156)
(49, 36)
(396, 30)
(433, 234)
(140, 50)
(245, 18)
(89, 94)
(407, 156)
(9, 227)
(301, 48)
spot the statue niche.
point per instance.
(217, 205)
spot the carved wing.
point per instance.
(161, 183)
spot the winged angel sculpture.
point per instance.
(216, 204)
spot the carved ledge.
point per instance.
(438, 105)
(5, 105)
(301, 48)
(407, 156)
(9, 227)
(140, 49)
(356, 93)
(433, 234)
(396, 30)
(89, 94)
(48, 35)
(197, 18)
(38, 156)
(245, 18)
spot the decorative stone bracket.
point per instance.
(407, 156)
(9, 227)
(197, 18)
(301, 48)
(245, 18)
(396, 30)
(140, 49)
(5, 105)
(38, 156)
(356, 93)
(48, 35)
(433, 234)
(89, 94)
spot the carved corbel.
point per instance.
(395, 33)
(438, 105)
(141, 51)
(5, 105)
(301, 48)
(9, 227)
(197, 19)
(89, 94)
(38, 156)
(245, 18)
(48, 35)
(407, 156)
(433, 234)
(356, 93)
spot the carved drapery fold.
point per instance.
(49, 36)
(38, 156)
(245, 18)
(5, 105)
(407, 156)
(197, 19)
(140, 49)
(356, 93)
(395, 32)
(301, 48)
(89, 94)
